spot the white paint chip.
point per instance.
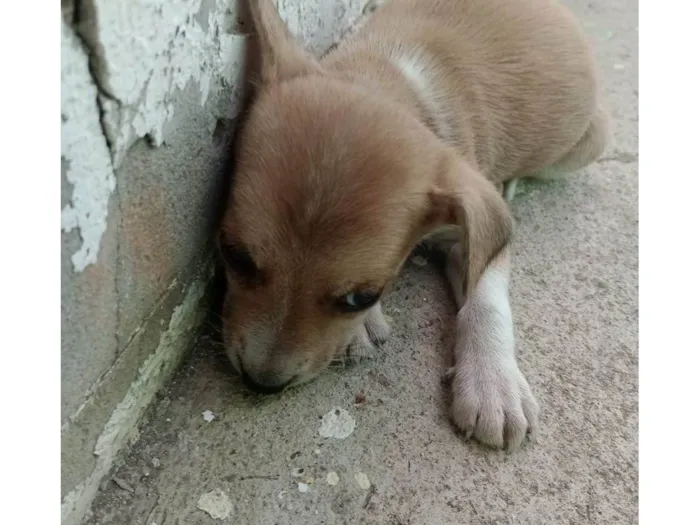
(337, 424)
(216, 504)
(84, 153)
(332, 478)
(363, 480)
(303, 487)
(208, 416)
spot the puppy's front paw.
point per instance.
(378, 329)
(361, 346)
(369, 336)
(493, 403)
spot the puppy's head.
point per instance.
(334, 187)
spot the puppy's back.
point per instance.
(515, 80)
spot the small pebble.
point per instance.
(363, 480)
(208, 416)
(332, 478)
(303, 487)
(317, 451)
(297, 472)
(418, 260)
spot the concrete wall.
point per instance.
(149, 90)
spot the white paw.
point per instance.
(493, 403)
(369, 336)
(378, 330)
(510, 189)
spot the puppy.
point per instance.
(403, 133)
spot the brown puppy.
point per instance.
(403, 133)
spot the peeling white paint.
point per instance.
(122, 425)
(148, 49)
(85, 152)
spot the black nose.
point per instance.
(270, 387)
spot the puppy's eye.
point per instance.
(239, 260)
(356, 301)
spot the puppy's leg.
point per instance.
(509, 188)
(370, 335)
(589, 148)
(378, 329)
(491, 399)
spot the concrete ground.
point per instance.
(574, 296)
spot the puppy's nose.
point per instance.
(263, 387)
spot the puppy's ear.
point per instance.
(463, 197)
(281, 56)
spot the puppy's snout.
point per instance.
(264, 385)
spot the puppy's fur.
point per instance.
(405, 132)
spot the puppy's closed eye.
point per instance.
(238, 260)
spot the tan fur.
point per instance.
(403, 132)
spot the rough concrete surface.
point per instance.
(574, 298)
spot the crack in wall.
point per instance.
(84, 12)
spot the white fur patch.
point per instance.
(416, 69)
(490, 306)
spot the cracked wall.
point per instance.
(147, 90)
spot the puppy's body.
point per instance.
(510, 84)
(400, 134)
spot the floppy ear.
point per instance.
(281, 56)
(463, 197)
